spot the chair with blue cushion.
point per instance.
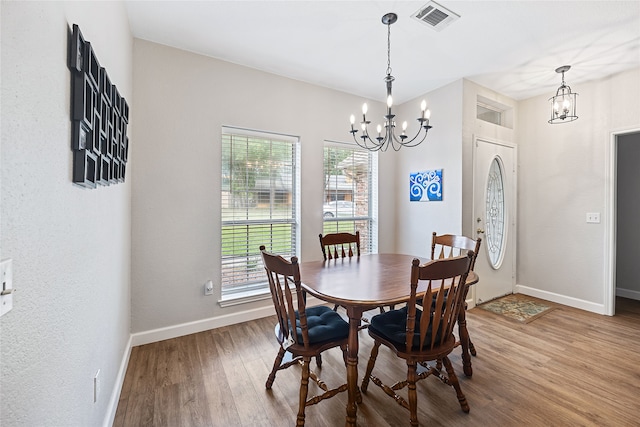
(420, 336)
(316, 329)
(447, 246)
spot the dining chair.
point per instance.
(341, 245)
(303, 333)
(450, 245)
(423, 335)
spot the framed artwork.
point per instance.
(425, 186)
(99, 116)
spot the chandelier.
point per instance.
(563, 105)
(388, 137)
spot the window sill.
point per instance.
(237, 298)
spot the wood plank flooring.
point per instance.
(566, 368)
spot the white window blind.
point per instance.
(350, 196)
(259, 199)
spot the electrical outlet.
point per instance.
(6, 291)
(593, 217)
(208, 288)
(96, 386)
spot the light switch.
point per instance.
(593, 217)
(6, 294)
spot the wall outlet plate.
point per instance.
(208, 288)
(593, 217)
(6, 291)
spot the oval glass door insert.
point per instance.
(495, 214)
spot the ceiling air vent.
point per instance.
(435, 16)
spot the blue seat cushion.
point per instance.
(392, 325)
(323, 324)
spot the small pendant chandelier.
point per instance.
(563, 105)
(388, 137)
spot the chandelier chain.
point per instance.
(388, 49)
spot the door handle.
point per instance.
(480, 230)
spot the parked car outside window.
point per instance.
(340, 208)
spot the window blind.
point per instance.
(259, 199)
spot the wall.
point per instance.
(441, 150)
(184, 101)
(70, 246)
(562, 176)
(628, 215)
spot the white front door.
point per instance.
(494, 213)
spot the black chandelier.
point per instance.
(389, 137)
(563, 105)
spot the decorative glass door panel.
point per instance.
(495, 214)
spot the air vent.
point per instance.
(435, 16)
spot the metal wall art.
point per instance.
(99, 116)
(425, 186)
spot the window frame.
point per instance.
(370, 242)
(232, 294)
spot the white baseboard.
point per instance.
(154, 335)
(628, 293)
(117, 388)
(561, 299)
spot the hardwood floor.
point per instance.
(566, 368)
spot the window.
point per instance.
(350, 193)
(494, 112)
(259, 205)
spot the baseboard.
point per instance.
(117, 388)
(628, 293)
(561, 299)
(154, 335)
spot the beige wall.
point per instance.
(182, 101)
(70, 246)
(441, 150)
(563, 174)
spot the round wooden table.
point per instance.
(360, 284)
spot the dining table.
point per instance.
(363, 283)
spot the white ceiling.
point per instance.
(512, 47)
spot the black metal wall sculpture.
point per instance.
(99, 116)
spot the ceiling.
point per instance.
(512, 47)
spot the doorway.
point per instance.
(624, 210)
(494, 216)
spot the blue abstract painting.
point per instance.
(425, 186)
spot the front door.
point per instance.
(494, 213)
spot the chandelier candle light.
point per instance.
(389, 137)
(563, 105)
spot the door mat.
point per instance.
(519, 307)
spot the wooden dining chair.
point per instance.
(303, 333)
(426, 335)
(340, 245)
(450, 245)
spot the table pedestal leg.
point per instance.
(464, 342)
(352, 367)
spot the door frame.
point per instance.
(611, 204)
(513, 209)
